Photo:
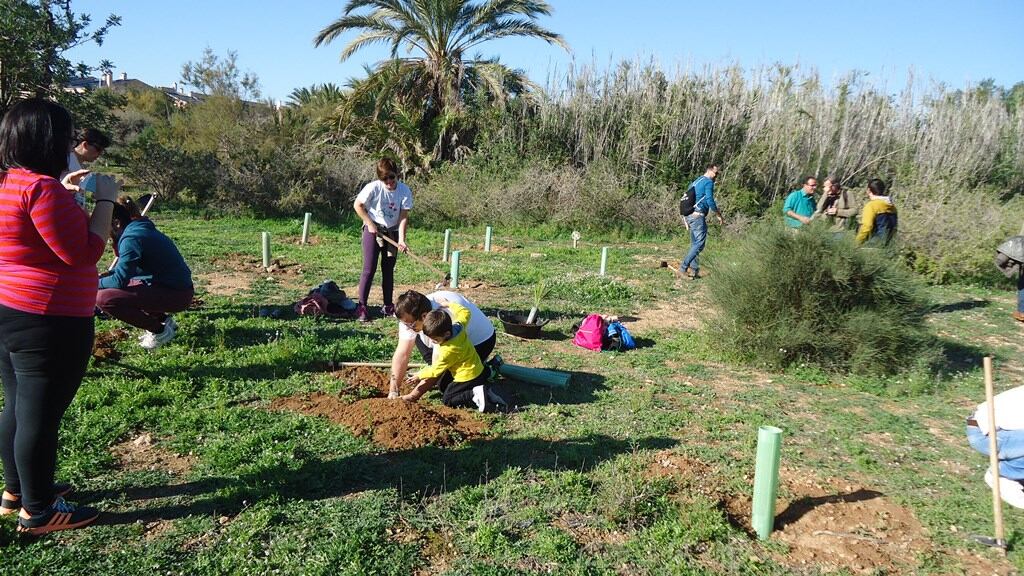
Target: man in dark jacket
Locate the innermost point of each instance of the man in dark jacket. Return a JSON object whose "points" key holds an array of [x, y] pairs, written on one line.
{"points": [[150, 279], [1010, 260]]}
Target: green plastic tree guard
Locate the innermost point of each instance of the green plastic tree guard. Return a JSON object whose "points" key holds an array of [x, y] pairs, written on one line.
{"points": [[305, 228], [604, 260], [447, 244], [266, 250], [487, 239], [766, 480], [455, 269], [537, 376]]}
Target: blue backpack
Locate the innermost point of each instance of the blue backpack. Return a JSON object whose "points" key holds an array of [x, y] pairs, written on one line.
{"points": [[619, 339]]}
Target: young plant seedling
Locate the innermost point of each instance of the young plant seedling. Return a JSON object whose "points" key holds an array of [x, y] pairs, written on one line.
{"points": [[540, 291]]}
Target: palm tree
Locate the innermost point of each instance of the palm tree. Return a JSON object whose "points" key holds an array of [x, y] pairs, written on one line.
{"points": [[439, 75]]}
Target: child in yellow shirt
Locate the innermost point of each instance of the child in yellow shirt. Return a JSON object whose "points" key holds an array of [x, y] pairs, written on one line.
{"points": [[454, 353]]}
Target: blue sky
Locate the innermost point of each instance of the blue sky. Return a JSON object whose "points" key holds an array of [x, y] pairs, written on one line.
{"points": [[954, 42]]}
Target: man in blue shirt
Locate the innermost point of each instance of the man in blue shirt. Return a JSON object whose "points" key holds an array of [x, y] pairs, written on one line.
{"points": [[799, 206], [696, 222]]}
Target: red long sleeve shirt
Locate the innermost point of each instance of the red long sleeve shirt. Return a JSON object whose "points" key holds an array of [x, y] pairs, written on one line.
{"points": [[47, 253]]}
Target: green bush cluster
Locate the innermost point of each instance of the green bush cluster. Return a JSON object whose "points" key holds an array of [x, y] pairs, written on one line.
{"points": [[815, 297]]}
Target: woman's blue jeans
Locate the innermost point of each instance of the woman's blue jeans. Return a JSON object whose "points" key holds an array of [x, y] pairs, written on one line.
{"points": [[1010, 444]]}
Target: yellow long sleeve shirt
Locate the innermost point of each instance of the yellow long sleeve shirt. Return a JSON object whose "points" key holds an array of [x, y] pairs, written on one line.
{"points": [[867, 218], [456, 354]]}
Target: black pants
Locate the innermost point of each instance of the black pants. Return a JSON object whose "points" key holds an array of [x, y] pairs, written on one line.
{"points": [[484, 349], [42, 362], [460, 394]]}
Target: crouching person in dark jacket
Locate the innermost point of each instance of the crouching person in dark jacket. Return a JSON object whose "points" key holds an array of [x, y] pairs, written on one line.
{"points": [[150, 279]]}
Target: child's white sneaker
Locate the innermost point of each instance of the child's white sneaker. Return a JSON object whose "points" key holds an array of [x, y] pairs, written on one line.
{"points": [[480, 398]]}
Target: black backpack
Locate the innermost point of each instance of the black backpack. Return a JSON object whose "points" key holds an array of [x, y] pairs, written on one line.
{"points": [[688, 202]]}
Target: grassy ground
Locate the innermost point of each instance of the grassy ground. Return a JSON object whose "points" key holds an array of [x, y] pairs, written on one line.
{"points": [[643, 466]]}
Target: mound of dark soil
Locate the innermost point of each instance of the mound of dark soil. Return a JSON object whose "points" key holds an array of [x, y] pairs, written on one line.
{"points": [[392, 424], [103, 346]]}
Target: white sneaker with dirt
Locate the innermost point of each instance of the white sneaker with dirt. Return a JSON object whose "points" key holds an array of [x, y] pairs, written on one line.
{"points": [[151, 341], [480, 398], [1011, 491]]}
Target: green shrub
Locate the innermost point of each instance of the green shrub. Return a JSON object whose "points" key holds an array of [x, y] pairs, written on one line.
{"points": [[816, 297], [168, 170]]}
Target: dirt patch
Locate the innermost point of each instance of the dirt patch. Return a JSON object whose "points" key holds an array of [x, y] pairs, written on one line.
{"points": [[827, 524], [392, 424], [225, 283], [587, 532], [313, 240], [245, 263], [367, 381], [143, 453], [835, 525], [103, 347], [660, 317], [494, 248], [235, 273]]}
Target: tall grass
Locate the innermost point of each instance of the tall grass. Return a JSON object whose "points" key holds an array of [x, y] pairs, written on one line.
{"points": [[619, 146]]}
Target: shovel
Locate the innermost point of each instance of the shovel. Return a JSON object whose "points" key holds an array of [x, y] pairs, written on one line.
{"points": [[447, 275], [999, 541]]}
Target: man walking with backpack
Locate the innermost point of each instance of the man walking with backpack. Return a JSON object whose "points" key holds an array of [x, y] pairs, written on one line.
{"points": [[698, 201]]}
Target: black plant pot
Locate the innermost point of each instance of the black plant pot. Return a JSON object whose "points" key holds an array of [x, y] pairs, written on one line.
{"points": [[515, 324]]}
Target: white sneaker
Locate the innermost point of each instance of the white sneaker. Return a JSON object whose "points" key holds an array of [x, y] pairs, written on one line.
{"points": [[1011, 491], [151, 341], [480, 398]]}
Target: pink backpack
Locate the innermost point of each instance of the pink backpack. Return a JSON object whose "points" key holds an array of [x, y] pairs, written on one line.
{"points": [[591, 333]]}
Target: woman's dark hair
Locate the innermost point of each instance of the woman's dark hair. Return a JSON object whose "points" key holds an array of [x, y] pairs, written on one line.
{"points": [[131, 206], [36, 134], [95, 137], [877, 187], [126, 210], [413, 304], [121, 216]]}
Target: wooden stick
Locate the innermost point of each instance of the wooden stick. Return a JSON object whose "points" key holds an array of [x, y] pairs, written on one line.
{"points": [[420, 259], [374, 365], [993, 455]]}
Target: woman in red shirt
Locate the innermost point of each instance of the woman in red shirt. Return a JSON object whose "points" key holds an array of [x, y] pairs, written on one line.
{"points": [[48, 253]]}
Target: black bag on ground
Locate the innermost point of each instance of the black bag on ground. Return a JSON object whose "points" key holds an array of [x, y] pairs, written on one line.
{"points": [[688, 202]]}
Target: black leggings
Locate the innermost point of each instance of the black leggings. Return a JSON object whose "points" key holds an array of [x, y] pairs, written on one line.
{"points": [[388, 255], [460, 394], [42, 362], [484, 349]]}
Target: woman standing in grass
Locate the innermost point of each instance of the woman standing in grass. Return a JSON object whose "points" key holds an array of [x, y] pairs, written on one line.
{"points": [[48, 253], [383, 205]]}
